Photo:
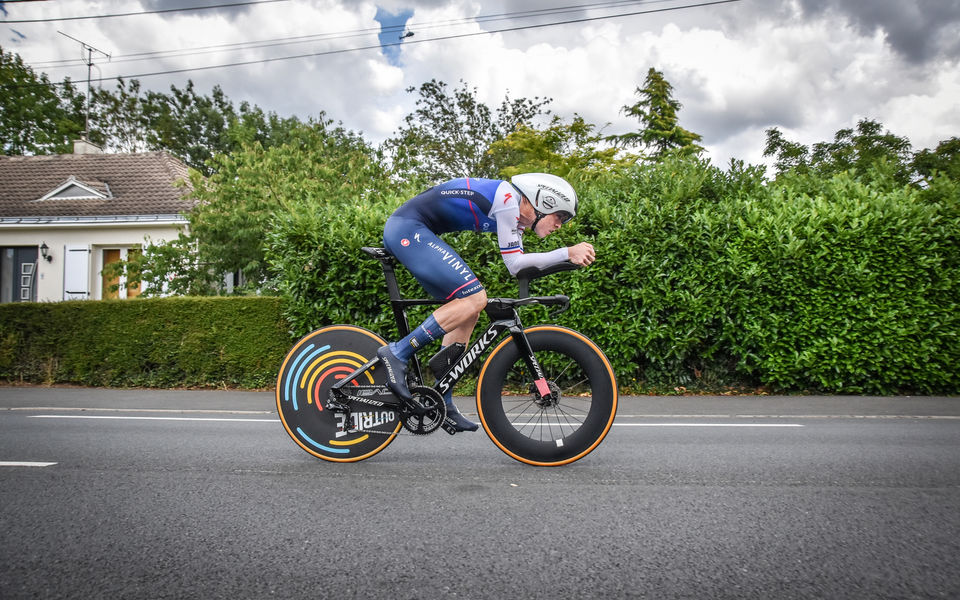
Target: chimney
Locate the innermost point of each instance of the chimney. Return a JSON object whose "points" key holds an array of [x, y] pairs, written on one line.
{"points": [[82, 146]]}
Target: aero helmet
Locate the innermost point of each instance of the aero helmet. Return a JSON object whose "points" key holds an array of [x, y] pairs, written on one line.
{"points": [[548, 194]]}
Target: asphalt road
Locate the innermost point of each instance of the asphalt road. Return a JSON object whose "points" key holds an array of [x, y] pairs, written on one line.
{"points": [[155, 494]]}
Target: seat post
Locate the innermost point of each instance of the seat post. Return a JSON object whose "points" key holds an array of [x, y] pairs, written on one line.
{"points": [[393, 289], [396, 300]]}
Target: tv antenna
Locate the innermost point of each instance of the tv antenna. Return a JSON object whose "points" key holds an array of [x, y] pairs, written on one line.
{"points": [[88, 60]]}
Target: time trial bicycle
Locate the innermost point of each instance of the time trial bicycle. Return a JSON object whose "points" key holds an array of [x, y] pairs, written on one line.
{"points": [[546, 395]]}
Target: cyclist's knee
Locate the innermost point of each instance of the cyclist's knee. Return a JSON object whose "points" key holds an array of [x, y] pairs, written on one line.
{"points": [[477, 301]]}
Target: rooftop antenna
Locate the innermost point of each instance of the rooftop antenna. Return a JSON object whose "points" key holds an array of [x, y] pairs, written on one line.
{"points": [[88, 60]]}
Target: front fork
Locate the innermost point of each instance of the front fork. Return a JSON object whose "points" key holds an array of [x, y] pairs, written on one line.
{"points": [[543, 394]]}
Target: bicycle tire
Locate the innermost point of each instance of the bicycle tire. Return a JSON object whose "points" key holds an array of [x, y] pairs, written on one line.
{"points": [[548, 435], [312, 366]]}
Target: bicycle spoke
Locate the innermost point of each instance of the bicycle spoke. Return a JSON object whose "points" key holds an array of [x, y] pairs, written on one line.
{"points": [[559, 375], [568, 390], [568, 417]]}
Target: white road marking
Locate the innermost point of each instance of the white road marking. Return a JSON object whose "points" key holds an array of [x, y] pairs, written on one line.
{"points": [[16, 463], [565, 424], [222, 419], [707, 425], [153, 418], [184, 411]]}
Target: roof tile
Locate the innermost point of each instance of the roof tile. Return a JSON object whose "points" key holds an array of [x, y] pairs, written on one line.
{"points": [[138, 184]]}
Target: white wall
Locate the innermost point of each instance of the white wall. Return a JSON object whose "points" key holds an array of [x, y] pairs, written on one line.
{"points": [[50, 275]]}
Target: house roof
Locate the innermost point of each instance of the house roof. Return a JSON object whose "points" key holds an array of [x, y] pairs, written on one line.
{"points": [[93, 185]]}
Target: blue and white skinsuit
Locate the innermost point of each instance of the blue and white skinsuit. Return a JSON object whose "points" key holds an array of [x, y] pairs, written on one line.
{"points": [[468, 204]]}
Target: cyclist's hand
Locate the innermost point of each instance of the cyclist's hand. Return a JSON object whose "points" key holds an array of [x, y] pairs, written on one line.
{"points": [[582, 254]]}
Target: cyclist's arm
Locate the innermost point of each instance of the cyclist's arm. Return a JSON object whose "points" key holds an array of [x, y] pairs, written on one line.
{"points": [[517, 262]]}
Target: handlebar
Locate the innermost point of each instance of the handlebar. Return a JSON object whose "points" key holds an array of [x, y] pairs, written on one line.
{"points": [[525, 276]]}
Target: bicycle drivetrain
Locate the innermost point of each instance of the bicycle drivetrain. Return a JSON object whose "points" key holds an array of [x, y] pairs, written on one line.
{"points": [[423, 414]]}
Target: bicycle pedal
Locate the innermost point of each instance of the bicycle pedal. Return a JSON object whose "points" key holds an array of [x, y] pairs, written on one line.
{"points": [[448, 427]]}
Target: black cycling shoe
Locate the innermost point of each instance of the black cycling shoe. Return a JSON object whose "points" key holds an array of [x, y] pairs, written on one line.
{"points": [[458, 421], [396, 373]]}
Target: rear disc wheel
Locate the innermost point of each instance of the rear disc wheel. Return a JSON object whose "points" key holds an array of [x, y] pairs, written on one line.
{"points": [[310, 369]]}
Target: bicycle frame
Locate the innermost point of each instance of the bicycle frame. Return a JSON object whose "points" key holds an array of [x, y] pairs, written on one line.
{"points": [[503, 315]]}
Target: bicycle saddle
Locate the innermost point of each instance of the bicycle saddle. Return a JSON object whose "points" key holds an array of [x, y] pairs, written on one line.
{"points": [[381, 254]]}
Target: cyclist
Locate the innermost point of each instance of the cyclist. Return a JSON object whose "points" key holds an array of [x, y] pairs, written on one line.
{"points": [[530, 201]]}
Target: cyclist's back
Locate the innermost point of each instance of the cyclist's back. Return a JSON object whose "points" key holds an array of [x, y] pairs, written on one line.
{"points": [[458, 205]]}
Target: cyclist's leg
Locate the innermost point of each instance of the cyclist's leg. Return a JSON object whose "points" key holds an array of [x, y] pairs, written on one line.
{"points": [[459, 317], [445, 276]]}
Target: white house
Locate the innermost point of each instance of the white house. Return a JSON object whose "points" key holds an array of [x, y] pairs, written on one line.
{"points": [[63, 217]]}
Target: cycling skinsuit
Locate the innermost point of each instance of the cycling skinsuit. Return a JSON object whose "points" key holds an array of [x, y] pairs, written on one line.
{"points": [[482, 205]]}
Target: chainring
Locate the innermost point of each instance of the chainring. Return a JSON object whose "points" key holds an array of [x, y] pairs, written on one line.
{"points": [[425, 413]]}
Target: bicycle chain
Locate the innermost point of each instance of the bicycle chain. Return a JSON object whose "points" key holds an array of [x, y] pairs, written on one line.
{"points": [[336, 406]]}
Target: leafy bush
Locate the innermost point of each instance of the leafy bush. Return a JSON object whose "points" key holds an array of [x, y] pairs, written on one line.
{"points": [[656, 299], [145, 342], [703, 277], [855, 290]]}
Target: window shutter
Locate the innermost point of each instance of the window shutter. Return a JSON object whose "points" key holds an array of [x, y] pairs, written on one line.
{"points": [[76, 273]]}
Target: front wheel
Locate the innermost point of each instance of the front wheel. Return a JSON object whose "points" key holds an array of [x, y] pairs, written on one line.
{"points": [[548, 429]]}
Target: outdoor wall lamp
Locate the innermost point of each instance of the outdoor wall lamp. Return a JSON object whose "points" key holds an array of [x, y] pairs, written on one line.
{"points": [[43, 252]]}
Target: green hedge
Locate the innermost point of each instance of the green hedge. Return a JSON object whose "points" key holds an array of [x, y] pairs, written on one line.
{"points": [[162, 342], [704, 278], [846, 285], [855, 290]]}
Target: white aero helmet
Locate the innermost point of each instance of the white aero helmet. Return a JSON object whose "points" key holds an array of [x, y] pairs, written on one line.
{"points": [[548, 194]]}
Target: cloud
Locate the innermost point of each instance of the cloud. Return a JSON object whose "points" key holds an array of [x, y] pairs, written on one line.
{"points": [[918, 31], [809, 67]]}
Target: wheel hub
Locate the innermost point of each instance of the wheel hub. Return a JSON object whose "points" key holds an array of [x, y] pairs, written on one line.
{"points": [[548, 401]]}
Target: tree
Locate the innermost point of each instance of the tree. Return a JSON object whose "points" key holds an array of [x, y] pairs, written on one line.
{"points": [[252, 125], [246, 191], [862, 148], [945, 160], [788, 155], [189, 125], [36, 117], [560, 149], [858, 149], [660, 131], [117, 121], [448, 135], [193, 127]]}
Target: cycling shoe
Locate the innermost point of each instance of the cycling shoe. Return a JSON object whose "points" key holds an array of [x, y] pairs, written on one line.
{"points": [[396, 373], [459, 422]]}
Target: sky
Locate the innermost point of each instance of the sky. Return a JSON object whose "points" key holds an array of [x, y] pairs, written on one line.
{"points": [[738, 68]]}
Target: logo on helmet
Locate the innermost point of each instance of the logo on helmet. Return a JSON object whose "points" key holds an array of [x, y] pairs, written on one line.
{"points": [[548, 202], [547, 188]]}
